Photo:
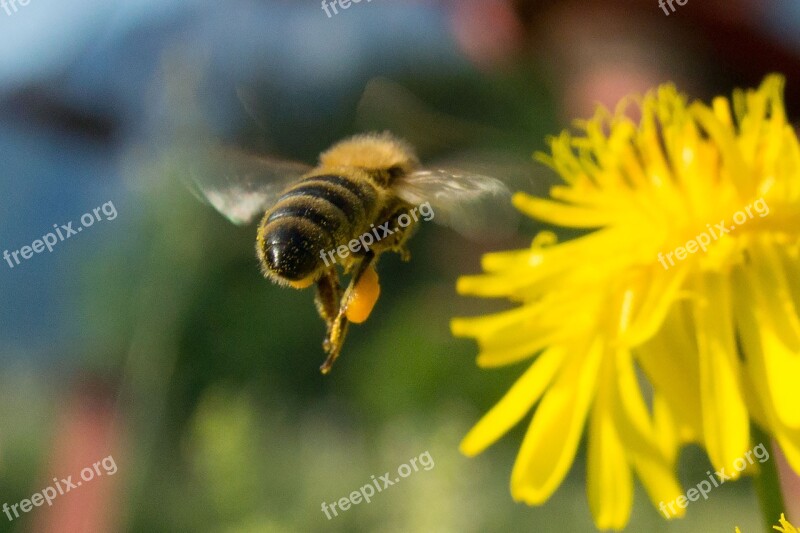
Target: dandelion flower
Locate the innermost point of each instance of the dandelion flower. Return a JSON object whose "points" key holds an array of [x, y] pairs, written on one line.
{"points": [[643, 332], [784, 527]]}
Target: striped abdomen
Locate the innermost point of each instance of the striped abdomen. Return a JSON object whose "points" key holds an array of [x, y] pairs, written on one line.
{"points": [[315, 215]]}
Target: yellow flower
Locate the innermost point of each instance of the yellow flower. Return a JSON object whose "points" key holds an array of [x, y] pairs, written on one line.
{"points": [[785, 526], [632, 309]]}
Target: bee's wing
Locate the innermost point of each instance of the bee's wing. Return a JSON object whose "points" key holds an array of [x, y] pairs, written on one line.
{"points": [[239, 185], [474, 205], [386, 105]]}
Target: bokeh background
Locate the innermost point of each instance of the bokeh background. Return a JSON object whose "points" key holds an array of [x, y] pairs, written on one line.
{"points": [[154, 339]]}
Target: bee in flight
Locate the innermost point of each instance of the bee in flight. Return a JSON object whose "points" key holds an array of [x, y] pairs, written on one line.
{"points": [[365, 197]]}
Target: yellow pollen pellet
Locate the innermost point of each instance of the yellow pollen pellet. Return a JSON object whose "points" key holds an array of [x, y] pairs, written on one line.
{"points": [[364, 297]]}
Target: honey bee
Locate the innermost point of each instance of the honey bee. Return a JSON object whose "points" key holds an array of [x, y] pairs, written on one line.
{"points": [[365, 197]]}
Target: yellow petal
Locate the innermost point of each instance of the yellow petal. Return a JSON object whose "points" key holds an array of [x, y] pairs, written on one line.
{"points": [[609, 482], [667, 359], [660, 296], [629, 410], [549, 446], [660, 483], [726, 425], [771, 291], [565, 215], [665, 427], [782, 376], [515, 404]]}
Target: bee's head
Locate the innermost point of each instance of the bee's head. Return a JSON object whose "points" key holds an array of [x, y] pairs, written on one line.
{"points": [[371, 151]]}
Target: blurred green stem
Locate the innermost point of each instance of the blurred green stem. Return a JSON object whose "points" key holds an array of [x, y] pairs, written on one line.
{"points": [[767, 484]]}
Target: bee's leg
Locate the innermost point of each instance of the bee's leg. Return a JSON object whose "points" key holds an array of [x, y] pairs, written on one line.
{"points": [[397, 242], [402, 248], [338, 331], [329, 293]]}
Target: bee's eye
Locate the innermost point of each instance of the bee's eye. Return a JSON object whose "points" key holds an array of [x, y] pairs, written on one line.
{"points": [[395, 172]]}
